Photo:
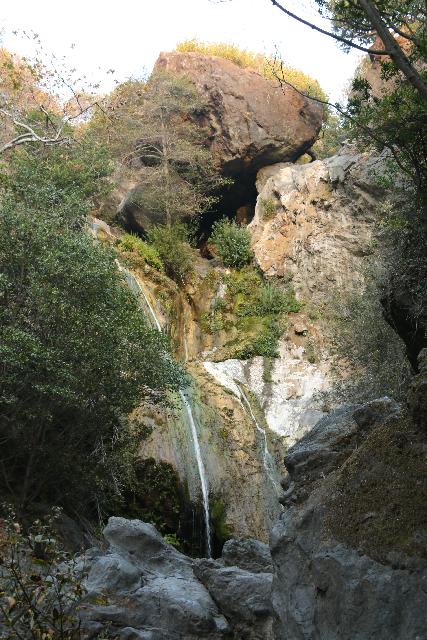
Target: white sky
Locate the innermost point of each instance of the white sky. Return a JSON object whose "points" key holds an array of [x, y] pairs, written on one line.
{"points": [[128, 35]]}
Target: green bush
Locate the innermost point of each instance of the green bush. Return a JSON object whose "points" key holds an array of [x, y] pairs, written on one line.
{"points": [[41, 586], [264, 344], [233, 243], [171, 245], [147, 252]]}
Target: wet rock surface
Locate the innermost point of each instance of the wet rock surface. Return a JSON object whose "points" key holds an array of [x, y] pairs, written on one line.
{"points": [[142, 587]]}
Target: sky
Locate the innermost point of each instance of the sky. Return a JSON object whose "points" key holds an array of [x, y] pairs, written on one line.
{"points": [[127, 35]]}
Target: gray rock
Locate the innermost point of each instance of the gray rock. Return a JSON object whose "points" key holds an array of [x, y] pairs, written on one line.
{"points": [[324, 589], [243, 597], [333, 438], [251, 555], [150, 591]]}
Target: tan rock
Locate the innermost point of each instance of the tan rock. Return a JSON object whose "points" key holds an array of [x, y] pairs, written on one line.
{"points": [[323, 226]]}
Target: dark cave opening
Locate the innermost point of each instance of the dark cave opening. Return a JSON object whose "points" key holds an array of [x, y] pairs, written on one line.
{"points": [[236, 202]]}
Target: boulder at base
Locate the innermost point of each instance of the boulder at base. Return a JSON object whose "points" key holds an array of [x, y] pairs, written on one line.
{"points": [[142, 587]]}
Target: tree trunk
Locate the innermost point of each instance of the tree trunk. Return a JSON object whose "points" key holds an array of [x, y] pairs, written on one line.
{"points": [[394, 50]]}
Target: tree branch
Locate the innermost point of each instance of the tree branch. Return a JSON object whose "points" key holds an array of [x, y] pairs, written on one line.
{"points": [[394, 50], [349, 43]]}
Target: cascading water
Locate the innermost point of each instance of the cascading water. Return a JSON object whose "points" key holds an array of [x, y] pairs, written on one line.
{"points": [[136, 287], [138, 290], [202, 473], [267, 458]]}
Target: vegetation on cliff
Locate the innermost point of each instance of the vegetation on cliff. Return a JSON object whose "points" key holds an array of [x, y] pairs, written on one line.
{"points": [[268, 66], [76, 351]]}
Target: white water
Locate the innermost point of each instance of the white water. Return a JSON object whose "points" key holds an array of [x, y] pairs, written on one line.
{"points": [[267, 458], [202, 473]]}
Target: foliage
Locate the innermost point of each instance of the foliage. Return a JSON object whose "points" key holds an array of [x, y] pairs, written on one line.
{"points": [[76, 351], [264, 344], [134, 244], [148, 124], [40, 584], [267, 66], [269, 208], [62, 182], [41, 100], [171, 244], [370, 359], [232, 243], [254, 309], [331, 136], [220, 528]]}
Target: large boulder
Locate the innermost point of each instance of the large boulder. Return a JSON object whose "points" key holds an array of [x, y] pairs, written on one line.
{"points": [[314, 222], [349, 552], [254, 122], [141, 587]]}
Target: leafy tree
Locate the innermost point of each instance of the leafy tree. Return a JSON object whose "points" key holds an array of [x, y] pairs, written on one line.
{"points": [[40, 103], [171, 243], [76, 352]]}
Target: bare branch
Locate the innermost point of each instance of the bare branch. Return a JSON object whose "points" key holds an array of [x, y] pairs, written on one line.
{"points": [[349, 43]]}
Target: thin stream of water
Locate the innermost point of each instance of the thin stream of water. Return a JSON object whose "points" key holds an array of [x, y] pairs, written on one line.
{"points": [[267, 458]]}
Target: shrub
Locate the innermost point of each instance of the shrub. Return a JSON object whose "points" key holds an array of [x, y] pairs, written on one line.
{"points": [[264, 344], [147, 252], [40, 584], [171, 245], [233, 243], [269, 208], [268, 66]]}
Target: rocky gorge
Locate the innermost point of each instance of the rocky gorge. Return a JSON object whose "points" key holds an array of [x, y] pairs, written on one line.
{"points": [[345, 515], [215, 375]]}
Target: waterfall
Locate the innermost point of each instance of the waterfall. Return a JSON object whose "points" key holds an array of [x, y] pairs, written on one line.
{"points": [[138, 290], [202, 473], [267, 458]]}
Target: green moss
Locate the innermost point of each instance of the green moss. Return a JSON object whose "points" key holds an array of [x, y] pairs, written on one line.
{"points": [[267, 370], [379, 497]]}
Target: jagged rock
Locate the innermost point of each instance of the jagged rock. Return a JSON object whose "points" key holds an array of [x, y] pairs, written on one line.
{"points": [[333, 438], [323, 226], [253, 121], [324, 587], [149, 586], [142, 588]]}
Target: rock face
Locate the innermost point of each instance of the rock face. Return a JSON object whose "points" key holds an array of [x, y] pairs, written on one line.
{"points": [[151, 591], [253, 122], [232, 452], [346, 563], [321, 225]]}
